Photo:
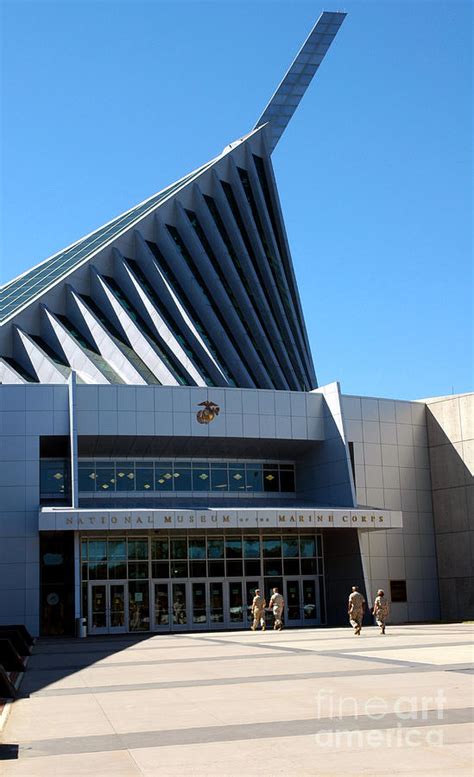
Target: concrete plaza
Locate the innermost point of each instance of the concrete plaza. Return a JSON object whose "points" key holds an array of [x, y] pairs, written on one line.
{"points": [[296, 703]]}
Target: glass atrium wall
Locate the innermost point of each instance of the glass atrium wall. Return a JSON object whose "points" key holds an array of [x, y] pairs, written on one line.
{"points": [[167, 581]]}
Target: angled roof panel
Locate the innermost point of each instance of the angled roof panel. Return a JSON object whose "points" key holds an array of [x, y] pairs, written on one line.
{"points": [[209, 298], [15, 294]]}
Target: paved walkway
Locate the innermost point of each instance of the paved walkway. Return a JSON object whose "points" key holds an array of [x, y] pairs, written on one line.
{"points": [[297, 703]]}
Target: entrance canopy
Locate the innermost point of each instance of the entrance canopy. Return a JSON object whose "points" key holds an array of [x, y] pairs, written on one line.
{"points": [[73, 519]]}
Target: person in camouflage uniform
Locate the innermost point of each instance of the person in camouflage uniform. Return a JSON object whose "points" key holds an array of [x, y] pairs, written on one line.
{"points": [[356, 609], [277, 604], [381, 610], [258, 611]]}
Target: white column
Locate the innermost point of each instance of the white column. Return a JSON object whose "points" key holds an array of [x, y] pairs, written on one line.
{"points": [[73, 439], [74, 490], [77, 576]]}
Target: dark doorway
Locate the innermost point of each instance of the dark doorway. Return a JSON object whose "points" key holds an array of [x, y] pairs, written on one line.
{"points": [[57, 583]]}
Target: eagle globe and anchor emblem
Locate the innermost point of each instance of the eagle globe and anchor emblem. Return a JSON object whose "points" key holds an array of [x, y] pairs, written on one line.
{"points": [[209, 412]]}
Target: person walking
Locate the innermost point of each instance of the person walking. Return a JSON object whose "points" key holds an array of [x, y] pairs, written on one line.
{"points": [[277, 604], [258, 611], [356, 609], [381, 610]]}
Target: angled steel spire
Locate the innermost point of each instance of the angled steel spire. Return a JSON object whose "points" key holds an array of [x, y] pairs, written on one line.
{"points": [[287, 97]]}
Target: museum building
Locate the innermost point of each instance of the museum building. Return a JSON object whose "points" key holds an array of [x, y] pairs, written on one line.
{"points": [[165, 448]]}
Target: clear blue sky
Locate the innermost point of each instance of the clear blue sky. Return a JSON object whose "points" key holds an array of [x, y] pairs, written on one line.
{"points": [[105, 103]]}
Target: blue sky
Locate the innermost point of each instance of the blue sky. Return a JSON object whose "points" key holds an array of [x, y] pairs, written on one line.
{"points": [[105, 103]]}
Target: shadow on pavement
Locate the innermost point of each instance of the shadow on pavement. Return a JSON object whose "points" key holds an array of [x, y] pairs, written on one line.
{"points": [[55, 658]]}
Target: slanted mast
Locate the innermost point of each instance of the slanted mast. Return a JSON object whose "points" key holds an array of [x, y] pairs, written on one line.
{"points": [[287, 97]]}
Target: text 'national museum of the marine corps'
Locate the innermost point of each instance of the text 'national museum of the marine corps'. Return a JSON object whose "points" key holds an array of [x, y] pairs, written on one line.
{"points": [[165, 448]]}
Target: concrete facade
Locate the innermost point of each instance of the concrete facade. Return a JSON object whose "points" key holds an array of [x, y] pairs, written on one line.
{"points": [[391, 463], [391, 444], [450, 424]]}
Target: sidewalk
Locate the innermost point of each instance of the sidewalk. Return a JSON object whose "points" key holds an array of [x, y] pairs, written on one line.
{"points": [[295, 703]]}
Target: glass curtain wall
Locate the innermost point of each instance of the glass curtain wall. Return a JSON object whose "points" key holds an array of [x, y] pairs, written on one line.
{"points": [[293, 562], [154, 476]]}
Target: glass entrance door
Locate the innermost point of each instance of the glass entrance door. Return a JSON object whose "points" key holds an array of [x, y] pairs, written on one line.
{"points": [[302, 602], [216, 605], [250, 588], [311, 605], [188, 605], [138, 602], [179, 606], [235, 607], [97, 620], [199, 609], [292, 614], [270, 584], [117, 608], [161, 607], [107, 608]]}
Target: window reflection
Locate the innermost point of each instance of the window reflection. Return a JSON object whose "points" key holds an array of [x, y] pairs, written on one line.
{"points": [[179, 548], [233, 547], [126, 476], [164, 476], [179, 569], [201, 477], [219, 478], [272, 547], [215, 548], [272, 567], [105, 479], [144, 480], [290, 546], [137, 549], [197, 548], [252, 547], [308, 566], [54, 477], [160, 549], [308, 546], [137, 570], [117, 570], [237, 477], [254, 480], [116, 550], [182, 476], [86, 476], [270, 479], [97, 550], [97, 571]]}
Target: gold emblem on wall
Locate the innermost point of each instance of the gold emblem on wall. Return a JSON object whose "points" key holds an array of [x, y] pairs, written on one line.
{"points": [[210, 411]]}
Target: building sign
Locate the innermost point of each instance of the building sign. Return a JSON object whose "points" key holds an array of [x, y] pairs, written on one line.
{"points": [[64, 519]]}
